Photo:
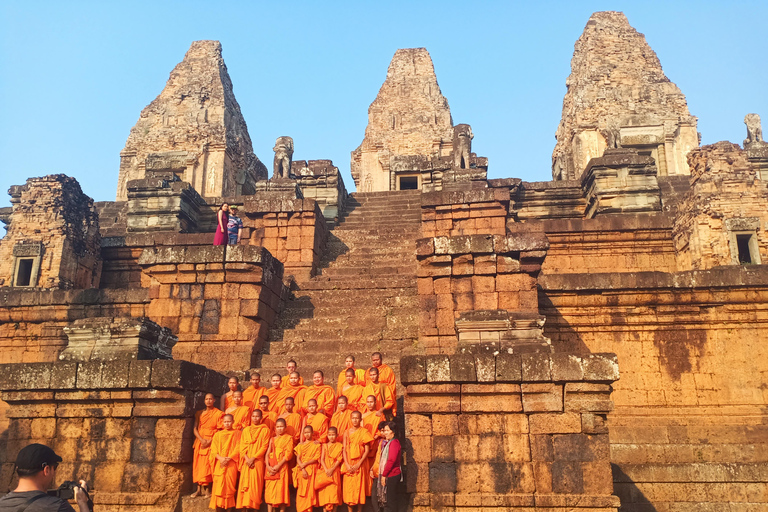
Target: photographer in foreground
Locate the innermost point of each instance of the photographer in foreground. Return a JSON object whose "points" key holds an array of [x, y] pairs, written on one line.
{"points": [[36, 466]]}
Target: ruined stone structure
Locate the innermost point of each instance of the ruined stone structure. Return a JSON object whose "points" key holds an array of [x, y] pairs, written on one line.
{"points": [[591, 343]]}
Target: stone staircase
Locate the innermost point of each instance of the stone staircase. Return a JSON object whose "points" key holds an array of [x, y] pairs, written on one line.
{"points": [[364, 298]]}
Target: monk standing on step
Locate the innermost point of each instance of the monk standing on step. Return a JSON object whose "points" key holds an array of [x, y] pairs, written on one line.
{"points": [[240, 413], [274, 393], [331, 459], [226, 399], [207, 423], [307, 461], [253, 393], [293, 390], [322, 393], [356, 483], [291, 367], [386, 376], [384, 399], [317, 420], [292, 420], [280, 451], [254, 442], [225, 456], [268, 417], [359, 374], [341, 419], [353, 392]]}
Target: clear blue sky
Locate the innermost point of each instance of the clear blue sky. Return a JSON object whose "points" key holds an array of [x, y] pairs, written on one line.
{"points": [[74, 76]]}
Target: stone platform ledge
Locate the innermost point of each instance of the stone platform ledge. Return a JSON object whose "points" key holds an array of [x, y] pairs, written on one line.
{"points": [[208, 254], [107, 375], [485, 195], [488, 501], [613, 222], [532, 244], [15, 297], [718, 277], [509, 368]]}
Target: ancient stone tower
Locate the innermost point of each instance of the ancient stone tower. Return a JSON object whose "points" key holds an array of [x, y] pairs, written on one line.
{"points": [[619, 96], [194, 130]]}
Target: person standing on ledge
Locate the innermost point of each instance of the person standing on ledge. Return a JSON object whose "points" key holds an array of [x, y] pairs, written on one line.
{"points": [[234, 226], [222, 218], [226, 399], [36, 466], [386, 376], [207, 423]]}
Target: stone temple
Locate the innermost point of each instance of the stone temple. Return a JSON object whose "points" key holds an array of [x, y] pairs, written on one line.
{"points": [[592, 343]]}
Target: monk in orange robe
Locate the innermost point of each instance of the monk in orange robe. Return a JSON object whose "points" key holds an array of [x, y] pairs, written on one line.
{"points": [[253, 393], [291, 367], [341, 419], [385, 401], [386, 376], [226, 399], [372, 417], [292, 420], [331, 458], [207, 423], [356, 481], [279, 453], [225, 454], [293, 390], [318, 421], [254, 442], [307, 459], [241, 413], [274, 393], [268, 417], [353, 392], [349, 364], [320, 391]]}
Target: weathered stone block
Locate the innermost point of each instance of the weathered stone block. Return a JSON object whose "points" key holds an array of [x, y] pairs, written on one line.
{"points": [[491, 398], [542, 397], [438, 368], [536, 367], [555, 423], [418, 425], [508, 368], [601, 367], [413, 370], [63, 375], [433, 398], [443, 448], [445, 424], [566, 367], [462, 368], [442, 477]]}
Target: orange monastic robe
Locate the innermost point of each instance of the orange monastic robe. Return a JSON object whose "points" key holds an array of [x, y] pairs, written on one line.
{"points": [[355, 397], [292, 425], [359, 379], [387, 376], [371, 423], [226, 443], [376, 460], [287, 381], [331, 494], [251, 396], [326, 399], [274, 395], [268, 419], [306, 497], [342, 420], [208, 422], [241, 416], [295, 392], [319, 424], [356, 485], [276, 491], [228, 400], [254, 442], [382, 393]]}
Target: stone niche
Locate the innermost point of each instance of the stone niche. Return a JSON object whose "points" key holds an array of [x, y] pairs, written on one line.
{"points": [[109, 338], [53, 238]]}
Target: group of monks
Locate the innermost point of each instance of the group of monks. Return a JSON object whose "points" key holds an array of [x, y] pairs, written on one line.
{"points": [[261, 441]]}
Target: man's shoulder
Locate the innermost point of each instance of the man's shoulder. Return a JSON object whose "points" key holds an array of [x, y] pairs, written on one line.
{"points": [[13, 500]]}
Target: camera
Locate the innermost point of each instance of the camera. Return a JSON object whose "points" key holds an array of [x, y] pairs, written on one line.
{"points": [[66, 491]]}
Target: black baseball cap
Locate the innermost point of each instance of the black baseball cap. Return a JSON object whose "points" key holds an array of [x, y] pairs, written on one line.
{"points": [[36, 456]]}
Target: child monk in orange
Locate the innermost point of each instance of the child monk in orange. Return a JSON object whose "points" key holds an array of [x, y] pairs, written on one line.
{"points": [[353, 391], [279, 453], [359, 374], [371, 420], [331, 458], [225, 455], [317, 420], [341, 418], [292, 420], [253, 393], [240, 413], [268, 417], [307, 458], [226, 399], [254, 442], [273, 393], [207, 423], [356, 481]]}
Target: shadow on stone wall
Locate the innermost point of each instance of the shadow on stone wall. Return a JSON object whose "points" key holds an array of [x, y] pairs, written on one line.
{"points": [[632, 498]]}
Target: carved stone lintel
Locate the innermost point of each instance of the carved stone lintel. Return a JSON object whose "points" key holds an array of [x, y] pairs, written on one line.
{"points": [[108, 339]]}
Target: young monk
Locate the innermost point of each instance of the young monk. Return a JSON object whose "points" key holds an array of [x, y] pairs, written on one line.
{"points": [[268, 417], [307, 458], [241, 413], [331, 458], [254, 442], [320, 391], [292, 421], [371, 417], [280, 451], [385, 401], [274, 393], [226, 399], [207, 423], [353, 392], [253, 393], [291, 367], [356, 482], [225, 455], [341, 418], [294, 390], [359, 373], [317, 420], [386, 376]]}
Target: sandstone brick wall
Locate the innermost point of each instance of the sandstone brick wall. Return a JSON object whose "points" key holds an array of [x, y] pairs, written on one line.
{"points": [[124, 426], [509, 432], [467, 212], [689, 430]]}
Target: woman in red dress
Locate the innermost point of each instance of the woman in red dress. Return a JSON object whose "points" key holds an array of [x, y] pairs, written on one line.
{"points": [[221, 227]]}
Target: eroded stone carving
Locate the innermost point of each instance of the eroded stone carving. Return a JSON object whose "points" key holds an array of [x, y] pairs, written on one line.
{"points": [[283, 156], [754, 129], [462, 146]]}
